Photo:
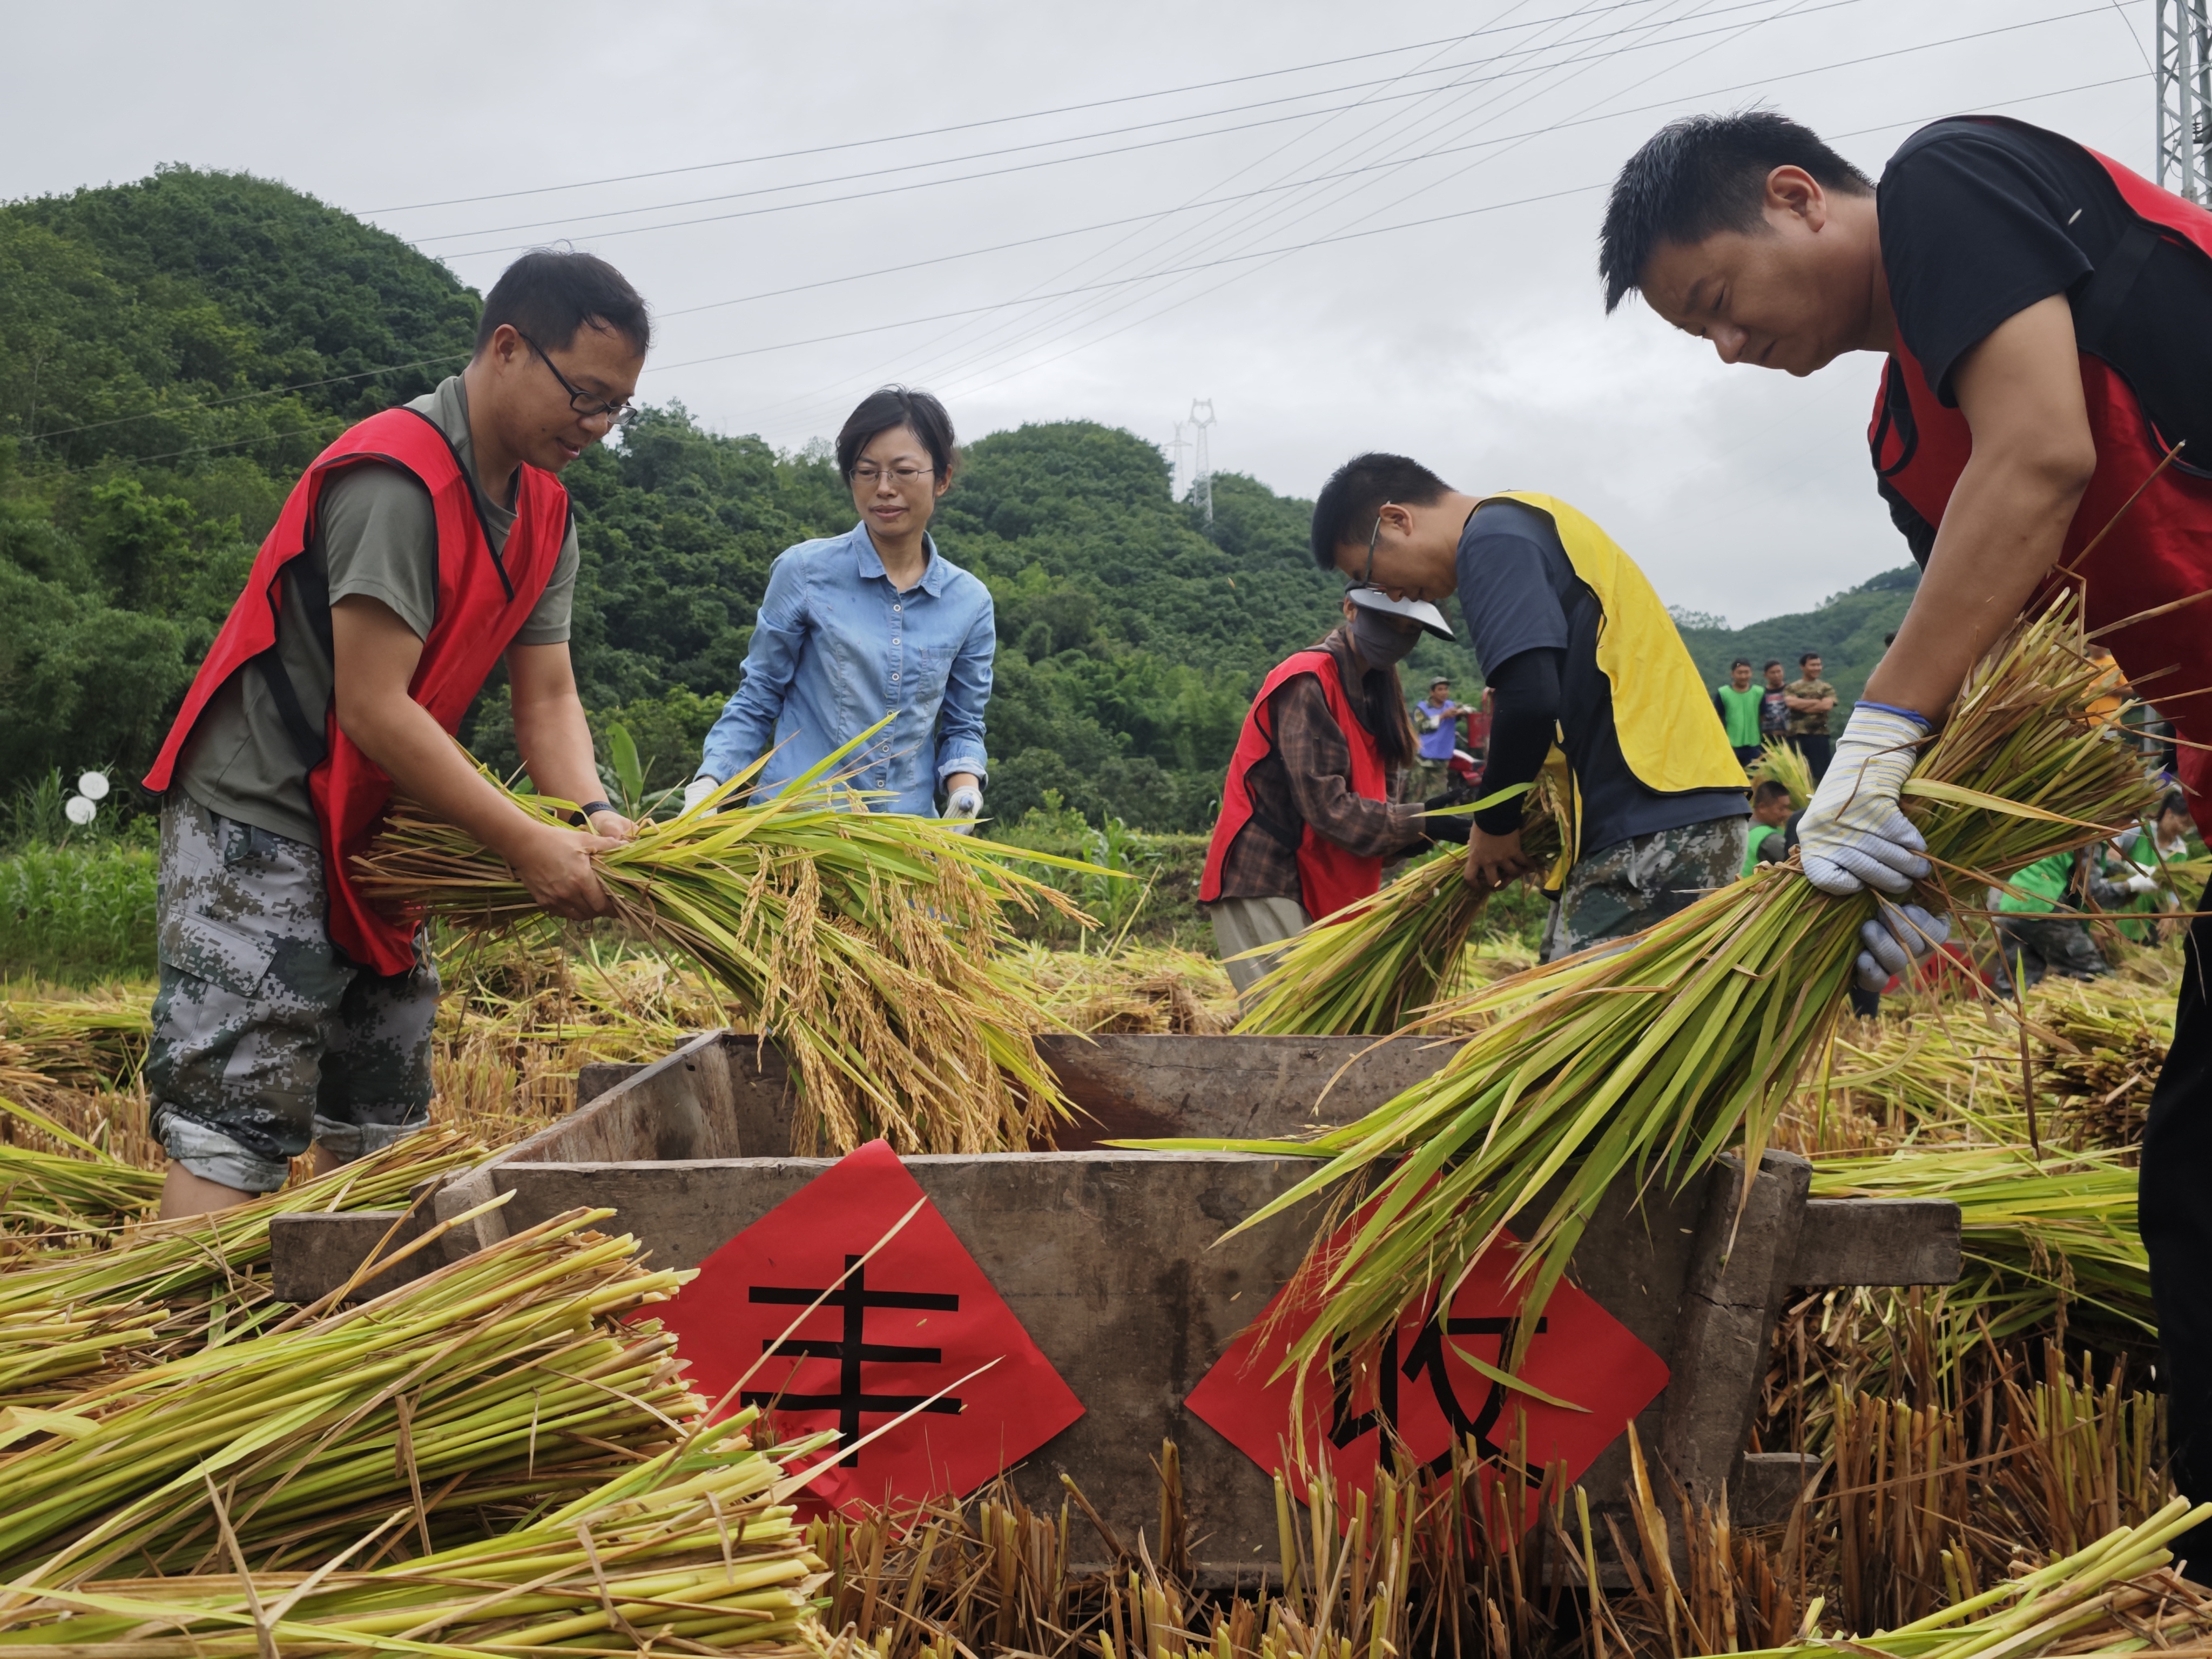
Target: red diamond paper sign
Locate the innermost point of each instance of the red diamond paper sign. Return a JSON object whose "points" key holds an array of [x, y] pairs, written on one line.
{"points": [[911, 1320], [1420, 1385]]}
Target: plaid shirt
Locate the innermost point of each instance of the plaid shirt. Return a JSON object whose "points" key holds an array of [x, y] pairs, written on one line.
{"points": [[1306, 778]]}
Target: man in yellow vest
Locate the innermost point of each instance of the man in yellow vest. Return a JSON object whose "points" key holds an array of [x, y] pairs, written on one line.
{"points": [[1579, 653]]}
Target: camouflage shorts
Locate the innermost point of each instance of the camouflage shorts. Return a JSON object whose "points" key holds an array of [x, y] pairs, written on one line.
{"points": [[1623, 889], [264, 1038], [2041, 944]]}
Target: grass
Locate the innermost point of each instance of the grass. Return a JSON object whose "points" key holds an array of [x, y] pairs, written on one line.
{"points": [[77, 914]]}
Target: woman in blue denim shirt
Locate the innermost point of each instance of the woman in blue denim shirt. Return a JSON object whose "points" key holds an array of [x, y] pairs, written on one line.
{"points": [[871, 622]]}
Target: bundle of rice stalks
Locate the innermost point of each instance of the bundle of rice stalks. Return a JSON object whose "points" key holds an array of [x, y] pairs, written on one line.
{"points": [[1137, 988], [1782, 762], [174, 1285], [76, 1039], [2098, 1050], [47, 1197], [691, 1550], [523, 1013], [2045, 1240], [2111, 1597], [862, 941], [506, 1380], [1646, 1061], [1370, 967]]}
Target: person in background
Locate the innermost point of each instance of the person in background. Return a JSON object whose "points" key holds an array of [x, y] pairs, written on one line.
{"points": [[2114, 693], [1771, 810], [1773, 706], [1309, 814], [1810, 699], [428, 546], [1436, 719], [1738, 704], [871, 622], [1479, 719], [2124, 871], [2037, 932], [1579, 652]]}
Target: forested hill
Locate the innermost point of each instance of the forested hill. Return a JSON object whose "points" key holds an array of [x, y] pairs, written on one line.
{"points": [[172, 351], [1846, 629]]}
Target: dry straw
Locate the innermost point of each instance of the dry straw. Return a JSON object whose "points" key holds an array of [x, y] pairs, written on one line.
{"points": [[862, 941], [1644, 1059], [500, 1382], [1369, 969], [691, 1551]]}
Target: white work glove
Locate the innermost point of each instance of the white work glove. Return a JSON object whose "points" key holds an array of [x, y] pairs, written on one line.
{"points": [[1855, 835], [1899, 937], [961, 807], [2143, 883], [698, 789]]}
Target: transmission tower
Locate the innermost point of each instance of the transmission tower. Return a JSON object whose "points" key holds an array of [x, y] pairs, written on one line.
{"points": [[1178, 474], [1201, 486], [2184, 96]]}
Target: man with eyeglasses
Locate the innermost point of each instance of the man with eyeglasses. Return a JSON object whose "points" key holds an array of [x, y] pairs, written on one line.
{"points": [[426, 545], [1580, 657]]}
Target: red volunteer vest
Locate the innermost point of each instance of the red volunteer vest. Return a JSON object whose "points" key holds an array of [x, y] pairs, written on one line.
{"points": [[484, 599], [2161, 552], [1329, 878]]}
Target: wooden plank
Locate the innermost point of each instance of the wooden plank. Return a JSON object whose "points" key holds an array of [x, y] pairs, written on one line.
{"points": [[312, 1252], [1878, 1241], [1141, 1087]]}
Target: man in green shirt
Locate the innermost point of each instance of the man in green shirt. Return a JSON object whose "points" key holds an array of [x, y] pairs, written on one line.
{"points": [[1810, 699], [2034, 937], [1771, 807], [269, 1039], [1737, 704]]}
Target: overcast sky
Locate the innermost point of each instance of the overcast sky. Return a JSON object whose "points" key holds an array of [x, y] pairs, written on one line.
{"points": [[811, 147]]}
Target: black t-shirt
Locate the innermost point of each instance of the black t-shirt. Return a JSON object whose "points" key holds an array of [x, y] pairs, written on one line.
{"points": [[1981, 218], [1518, 592]]}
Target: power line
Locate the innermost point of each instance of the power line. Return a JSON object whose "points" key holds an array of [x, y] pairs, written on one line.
{"points": [[1578, 189], [936, 372], [1197, 203], [997, 120], [1035, 145], [995, 173], [246, 397]]}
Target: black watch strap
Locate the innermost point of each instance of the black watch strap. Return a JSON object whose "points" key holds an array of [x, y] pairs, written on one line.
{"points": [[582, 815]]}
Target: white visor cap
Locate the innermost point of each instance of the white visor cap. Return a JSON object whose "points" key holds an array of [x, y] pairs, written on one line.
{"points": [[1420, 611]]}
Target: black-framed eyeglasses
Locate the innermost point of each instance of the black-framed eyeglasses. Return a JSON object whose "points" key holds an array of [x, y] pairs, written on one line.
{"points": [[585, 404], [1373, 535]]}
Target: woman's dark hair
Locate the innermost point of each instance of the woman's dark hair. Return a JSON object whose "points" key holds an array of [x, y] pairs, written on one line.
{"points": [[1703, 175], [887, 409], [548, 294]]}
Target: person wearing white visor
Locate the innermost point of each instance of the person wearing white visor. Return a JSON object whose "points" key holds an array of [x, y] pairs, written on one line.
{"points": [[1308, 816]]}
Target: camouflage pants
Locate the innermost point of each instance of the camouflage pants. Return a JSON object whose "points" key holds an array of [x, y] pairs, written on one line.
{"points": [[264, 1038], [1623, 889], [2045, 944]]}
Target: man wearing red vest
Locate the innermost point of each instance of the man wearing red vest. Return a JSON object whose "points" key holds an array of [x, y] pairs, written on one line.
{"points": [[422, 548], [1307, 816], [2046, 315]]}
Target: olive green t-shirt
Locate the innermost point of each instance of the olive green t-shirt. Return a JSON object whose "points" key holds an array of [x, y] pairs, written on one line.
{"points": [[375, 534], [1804, 725]]}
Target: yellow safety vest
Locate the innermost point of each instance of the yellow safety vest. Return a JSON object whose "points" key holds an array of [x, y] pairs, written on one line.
{"points": [[1669, 735]]}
